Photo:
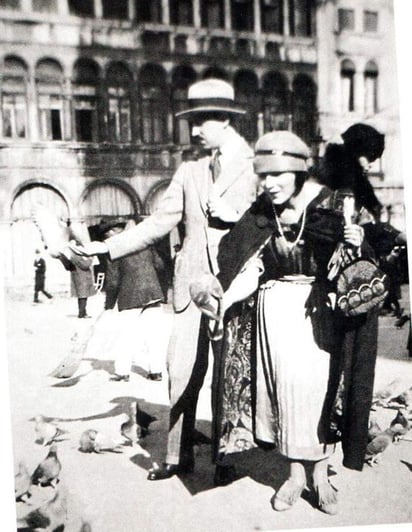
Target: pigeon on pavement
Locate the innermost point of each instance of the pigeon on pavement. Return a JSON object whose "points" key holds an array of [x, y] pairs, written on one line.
{"points": [[130, 429], [95, 441], [378, 445], [46, 432], [399, 425], [22, 482], [404, 398], [47, 472], [51, 516], [143, 421], [374, 429], [383, 396]]}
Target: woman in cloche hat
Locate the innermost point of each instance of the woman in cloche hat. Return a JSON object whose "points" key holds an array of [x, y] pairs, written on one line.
{"points": [[278, 378]]}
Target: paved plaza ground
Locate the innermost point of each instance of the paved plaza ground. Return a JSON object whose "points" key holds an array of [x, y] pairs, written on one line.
{"points": [[110, 491]]}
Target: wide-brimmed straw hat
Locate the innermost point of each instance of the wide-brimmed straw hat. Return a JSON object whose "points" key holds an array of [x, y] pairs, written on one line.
{"points": [[211, 95], [280, 151]]}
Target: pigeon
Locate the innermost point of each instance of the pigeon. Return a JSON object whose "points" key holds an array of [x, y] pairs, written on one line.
{"points": [[47, 472], [378, 445], [373, 429], [400, 425], [404, 399], [87, 441], [46, 432], [143, 421], [95, 441], [130, 429], [383, 396], [22, 482], [52, 515]]}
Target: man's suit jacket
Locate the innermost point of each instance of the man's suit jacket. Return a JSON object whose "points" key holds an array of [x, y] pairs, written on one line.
{"points": [[186, 200]]}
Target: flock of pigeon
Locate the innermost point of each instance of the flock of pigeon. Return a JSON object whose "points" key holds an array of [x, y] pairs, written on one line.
{"points": [[53, 515], [380, 440]]}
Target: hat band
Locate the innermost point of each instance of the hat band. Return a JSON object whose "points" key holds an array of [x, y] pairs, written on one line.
{"points": [[281, 153], [219, 102]]}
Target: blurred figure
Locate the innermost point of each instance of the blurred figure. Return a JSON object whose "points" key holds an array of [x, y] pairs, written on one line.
{"points": [[39, 277], [390, 264], [133, 282], [82, 283]]}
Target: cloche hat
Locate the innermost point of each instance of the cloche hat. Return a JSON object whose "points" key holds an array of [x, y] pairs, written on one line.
{"points": [[211, 95], [280, 151]]}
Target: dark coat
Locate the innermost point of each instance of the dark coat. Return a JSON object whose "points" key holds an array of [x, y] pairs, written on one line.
{"points": [[133, 280], [356, 338], [39, 273], [82, 279]]}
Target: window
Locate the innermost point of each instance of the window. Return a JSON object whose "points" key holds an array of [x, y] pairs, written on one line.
{"points": [[246, 94], [10, 4], [13, 99], [118, 9], [45, 6], [371, 88], [242, 15], [81, 8], [119, 81], [346, 19], [348, 85], [155, 105], [300, 18], [212, 14], [370, 21], [49, 82], [272, 16], [181, 12], [304, 107], [85, 81], [148, 11], [276, 105], [181, 79]]}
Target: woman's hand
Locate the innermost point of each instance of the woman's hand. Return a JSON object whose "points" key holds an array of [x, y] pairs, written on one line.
{"points": [[353, 235]]}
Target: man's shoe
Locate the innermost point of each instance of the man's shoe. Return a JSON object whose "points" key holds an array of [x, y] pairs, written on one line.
{"points": [[224, 475], [154, 376], [119, 378], [169, 470]]}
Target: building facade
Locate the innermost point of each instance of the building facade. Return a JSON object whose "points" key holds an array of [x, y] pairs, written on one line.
{"points": [[89, 89]]}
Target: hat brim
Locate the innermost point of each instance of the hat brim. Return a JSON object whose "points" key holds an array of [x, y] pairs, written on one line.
{"points": [[275, 163], [210, 109]]}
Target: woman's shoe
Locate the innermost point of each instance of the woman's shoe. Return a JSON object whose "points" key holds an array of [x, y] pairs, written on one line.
{"points": [[327, 498], [287, 495]]}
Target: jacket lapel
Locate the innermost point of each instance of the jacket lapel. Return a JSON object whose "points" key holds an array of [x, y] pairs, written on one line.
{"points": [[202, 181], [234, 168]]}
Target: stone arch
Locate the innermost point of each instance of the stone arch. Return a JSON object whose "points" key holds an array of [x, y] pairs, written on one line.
{"points": [[108, 197], [154, 196]]}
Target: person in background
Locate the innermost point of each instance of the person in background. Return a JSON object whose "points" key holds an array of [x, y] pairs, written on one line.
{"points": [[208, 195], [82, 283], [133, 283], [39, 277]]}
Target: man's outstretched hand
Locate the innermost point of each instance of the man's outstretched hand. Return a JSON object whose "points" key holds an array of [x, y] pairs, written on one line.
{"points": [[90, 249]]}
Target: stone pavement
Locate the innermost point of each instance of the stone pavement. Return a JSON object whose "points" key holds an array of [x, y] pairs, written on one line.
{"points": [[110, 490]]}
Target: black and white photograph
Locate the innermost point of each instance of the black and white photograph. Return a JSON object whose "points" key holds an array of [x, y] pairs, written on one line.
{"points": [[205, 299]]}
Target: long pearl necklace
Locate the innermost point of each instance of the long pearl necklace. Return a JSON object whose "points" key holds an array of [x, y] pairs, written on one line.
{"points": [[290, 245]]}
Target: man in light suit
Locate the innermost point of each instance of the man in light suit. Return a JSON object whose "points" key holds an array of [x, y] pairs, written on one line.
{"points": [[208, 195]]}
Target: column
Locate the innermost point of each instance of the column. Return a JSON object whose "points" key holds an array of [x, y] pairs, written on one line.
{"points": [[98, 8], [165, 12], [32, 108], [196, 14], [26, 6], [256, 14], [286, 28], [132, 10], [227, 14]]}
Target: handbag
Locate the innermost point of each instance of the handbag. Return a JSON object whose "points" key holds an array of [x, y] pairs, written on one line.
{"points": [[360, 287]]}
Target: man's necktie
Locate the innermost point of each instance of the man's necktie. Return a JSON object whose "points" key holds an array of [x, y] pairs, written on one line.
{"points": [[215, 166]]}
